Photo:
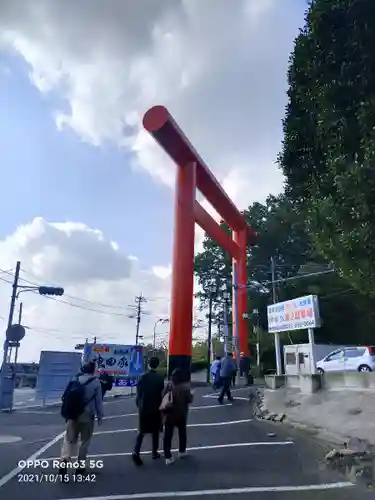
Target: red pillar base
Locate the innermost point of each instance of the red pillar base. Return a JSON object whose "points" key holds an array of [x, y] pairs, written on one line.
{"points": [[183, 362]]}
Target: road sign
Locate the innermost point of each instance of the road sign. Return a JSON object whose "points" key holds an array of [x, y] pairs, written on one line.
{"points": [[116, 360], [126, 382], [15, 333]]}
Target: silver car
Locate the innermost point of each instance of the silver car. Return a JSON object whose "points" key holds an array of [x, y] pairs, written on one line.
{"points": [[355, 359]]}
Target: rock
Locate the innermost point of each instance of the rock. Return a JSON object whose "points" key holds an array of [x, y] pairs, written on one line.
{"points": [[280, 417], [355, 411], [357, 444], [331, 455], [291, 404], [269, 416]]}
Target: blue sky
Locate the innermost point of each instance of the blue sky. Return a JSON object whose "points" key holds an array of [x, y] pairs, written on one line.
{"points": [[53, 174]]}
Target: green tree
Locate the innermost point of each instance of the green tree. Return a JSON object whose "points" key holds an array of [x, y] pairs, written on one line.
{"points": [[347, 315], [329, 134]]}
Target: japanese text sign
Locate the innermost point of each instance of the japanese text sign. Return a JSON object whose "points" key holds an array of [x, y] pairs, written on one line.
{"points": [[297, 314], [116, 360]]}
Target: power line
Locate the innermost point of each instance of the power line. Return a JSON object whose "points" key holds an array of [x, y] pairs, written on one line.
{"points": [[95, 303]]}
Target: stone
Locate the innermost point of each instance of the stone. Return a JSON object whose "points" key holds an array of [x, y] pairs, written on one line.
{"points": [[269, 416], [331, 455], [355, 411], [280, 417], [356, 444]]}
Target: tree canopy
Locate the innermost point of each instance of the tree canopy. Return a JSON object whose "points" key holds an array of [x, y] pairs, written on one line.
{"points": [[328, 154]]}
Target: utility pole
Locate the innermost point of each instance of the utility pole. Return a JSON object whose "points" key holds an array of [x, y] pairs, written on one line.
{"points": [[277, 334], [209, 339], [10, 317], [20, 323], [226, 296], [137, 315]]}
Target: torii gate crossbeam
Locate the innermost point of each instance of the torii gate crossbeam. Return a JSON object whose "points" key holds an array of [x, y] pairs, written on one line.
{"points": [[192, 174]]}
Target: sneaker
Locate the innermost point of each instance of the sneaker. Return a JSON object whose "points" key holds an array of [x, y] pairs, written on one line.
{"points": [[169, 461], [156, 456], [137, 459], [182, 454]]}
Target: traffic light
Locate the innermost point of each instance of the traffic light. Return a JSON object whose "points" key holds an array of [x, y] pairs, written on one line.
{"points": [[51, 290]]}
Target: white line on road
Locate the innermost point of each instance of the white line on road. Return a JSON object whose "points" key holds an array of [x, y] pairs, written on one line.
{"points": [[110, 417], [210, 424], [229, 491], [13, 473], [195, 448]]}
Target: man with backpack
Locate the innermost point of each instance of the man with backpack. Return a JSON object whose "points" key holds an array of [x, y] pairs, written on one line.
{"points": [[81, 402]]}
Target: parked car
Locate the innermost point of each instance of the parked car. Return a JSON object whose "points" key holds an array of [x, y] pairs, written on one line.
{"points": [[355, 359]]}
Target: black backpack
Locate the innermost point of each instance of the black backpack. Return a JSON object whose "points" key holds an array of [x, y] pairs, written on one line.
{"points": [[73, 400]]}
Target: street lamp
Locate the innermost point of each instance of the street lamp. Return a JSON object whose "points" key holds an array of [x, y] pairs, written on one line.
{"points": [[163, 321]]}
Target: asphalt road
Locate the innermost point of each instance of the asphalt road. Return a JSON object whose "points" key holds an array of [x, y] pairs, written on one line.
{"points": [[230, 457]]}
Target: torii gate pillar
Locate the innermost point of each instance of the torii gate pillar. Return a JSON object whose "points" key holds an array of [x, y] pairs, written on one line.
{"points": [[192, 174]]}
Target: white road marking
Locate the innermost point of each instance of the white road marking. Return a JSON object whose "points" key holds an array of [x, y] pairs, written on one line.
{"points": [[110, 417], [30, 412], [13, 473], [195, 448], [210, 424], [229, 491]]}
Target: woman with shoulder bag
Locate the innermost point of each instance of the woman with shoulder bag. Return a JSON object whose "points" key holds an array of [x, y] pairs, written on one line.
{"points": [[174, 409]]}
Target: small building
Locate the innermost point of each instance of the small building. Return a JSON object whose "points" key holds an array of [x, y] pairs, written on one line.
{"points": [[298, 357]]}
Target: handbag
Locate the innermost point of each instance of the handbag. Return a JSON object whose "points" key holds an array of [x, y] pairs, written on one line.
{"points": [[167, 401]]}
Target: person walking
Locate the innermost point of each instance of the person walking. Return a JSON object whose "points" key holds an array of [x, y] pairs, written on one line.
{"points": [[81, 402], [215, 372], [175, 407], [228, 366], [148, 400]]}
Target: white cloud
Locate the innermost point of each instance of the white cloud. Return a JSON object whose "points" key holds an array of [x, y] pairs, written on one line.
{"points": [[100, 281], [219, 67]]}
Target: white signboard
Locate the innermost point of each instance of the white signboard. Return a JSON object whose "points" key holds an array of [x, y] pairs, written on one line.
{"points": [[297, 314]]}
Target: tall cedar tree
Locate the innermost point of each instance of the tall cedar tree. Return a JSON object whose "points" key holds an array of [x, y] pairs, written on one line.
{"points": [[328, 154]]}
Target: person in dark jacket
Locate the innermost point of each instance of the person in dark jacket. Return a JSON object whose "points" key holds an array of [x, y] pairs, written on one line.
{"points": [[175, 407], [107, 383], [149, 397]]}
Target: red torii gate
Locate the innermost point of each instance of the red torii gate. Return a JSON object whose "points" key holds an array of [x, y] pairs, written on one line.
{"points": [[193, 173]]}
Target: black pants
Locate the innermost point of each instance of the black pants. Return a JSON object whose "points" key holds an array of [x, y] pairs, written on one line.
{"points": [[168, 436], [225, 389], [234, 375], [139, 441]]}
